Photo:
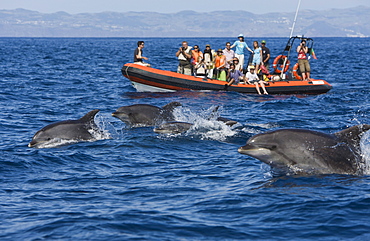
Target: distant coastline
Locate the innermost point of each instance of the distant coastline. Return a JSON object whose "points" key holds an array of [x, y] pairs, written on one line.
{"points": [[330, 23]]}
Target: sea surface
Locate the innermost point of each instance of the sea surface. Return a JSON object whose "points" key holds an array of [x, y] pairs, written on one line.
{"points": [[133, 184]]}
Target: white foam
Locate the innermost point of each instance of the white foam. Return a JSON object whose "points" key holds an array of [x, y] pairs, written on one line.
{"points": [[205, 123], [365, 151], [106, 129]]}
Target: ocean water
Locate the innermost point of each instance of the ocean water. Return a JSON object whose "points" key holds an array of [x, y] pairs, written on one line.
{"points": [[134, 184]]}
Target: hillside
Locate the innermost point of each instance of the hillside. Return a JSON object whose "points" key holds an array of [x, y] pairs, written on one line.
{"points": [[350, 22]]}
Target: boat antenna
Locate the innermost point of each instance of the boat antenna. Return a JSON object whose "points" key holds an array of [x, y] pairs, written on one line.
{"points": [[295, 18]]}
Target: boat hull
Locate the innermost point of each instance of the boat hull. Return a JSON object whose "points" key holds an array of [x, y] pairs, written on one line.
{"points": [[149, 79]]}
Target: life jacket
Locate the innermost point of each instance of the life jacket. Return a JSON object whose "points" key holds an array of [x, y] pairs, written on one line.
{"points": [[209, 54], [195, 56], [182, 57], [220, 60]]}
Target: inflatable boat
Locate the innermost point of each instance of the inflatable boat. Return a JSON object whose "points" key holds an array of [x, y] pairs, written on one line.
{"points": [[147, 79]]}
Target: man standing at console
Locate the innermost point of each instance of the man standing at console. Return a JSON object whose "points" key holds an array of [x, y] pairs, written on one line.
{"points": [[184, 57]]}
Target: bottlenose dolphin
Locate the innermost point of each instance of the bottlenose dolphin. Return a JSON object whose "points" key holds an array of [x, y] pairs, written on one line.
{"points": [[145, 115], [175, 127], [227, 121], [68, 130], [303, 151]]}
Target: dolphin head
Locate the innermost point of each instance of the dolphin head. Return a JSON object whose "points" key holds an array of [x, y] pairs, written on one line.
{"points": [[122, 114], [268, 149], [41, 137], [138, 114]]}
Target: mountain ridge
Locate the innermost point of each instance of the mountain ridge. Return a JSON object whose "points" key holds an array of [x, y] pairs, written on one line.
{"points": [[350, 22]]}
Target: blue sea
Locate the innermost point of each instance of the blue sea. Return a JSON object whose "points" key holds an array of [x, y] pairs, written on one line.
{"points": [[134, 184]]}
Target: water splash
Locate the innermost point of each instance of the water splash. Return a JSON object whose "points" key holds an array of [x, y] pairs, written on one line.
{"points": [[365, 150], [206, 126], [106, 129]]}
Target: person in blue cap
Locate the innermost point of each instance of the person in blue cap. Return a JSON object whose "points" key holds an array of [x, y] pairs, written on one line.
{"points": [[239, 51]]}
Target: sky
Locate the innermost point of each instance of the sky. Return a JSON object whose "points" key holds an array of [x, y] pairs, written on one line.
{"points": [[173, 6]]}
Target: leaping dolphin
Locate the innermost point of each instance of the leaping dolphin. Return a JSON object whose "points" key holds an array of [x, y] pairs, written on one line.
{"points": [[68, 130], [145, 115], [309, 152]]}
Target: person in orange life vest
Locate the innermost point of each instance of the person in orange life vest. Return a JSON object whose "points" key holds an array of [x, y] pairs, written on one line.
{"points": [[199, 68], [304, 65], [220, 63], [196, 55]]}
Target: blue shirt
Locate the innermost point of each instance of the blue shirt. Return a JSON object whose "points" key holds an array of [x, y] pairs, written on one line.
{"points": [[235, 75], [240, 46]]}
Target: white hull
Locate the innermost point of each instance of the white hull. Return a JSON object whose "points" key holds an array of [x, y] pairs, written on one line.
{"points": [[147, 88]]}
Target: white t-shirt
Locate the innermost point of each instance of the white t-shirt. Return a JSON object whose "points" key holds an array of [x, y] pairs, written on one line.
{"points": [[251, 76]]}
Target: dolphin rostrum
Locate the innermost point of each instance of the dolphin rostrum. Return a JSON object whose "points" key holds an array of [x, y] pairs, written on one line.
{"points": [[145, 115], [68, 130], [309, 152]]}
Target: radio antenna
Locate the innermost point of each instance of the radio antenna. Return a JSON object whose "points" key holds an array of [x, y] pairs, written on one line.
{"points": [[295, 18]]}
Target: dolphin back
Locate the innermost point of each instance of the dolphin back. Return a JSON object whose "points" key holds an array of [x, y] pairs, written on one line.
{"points": [[352, 136]]}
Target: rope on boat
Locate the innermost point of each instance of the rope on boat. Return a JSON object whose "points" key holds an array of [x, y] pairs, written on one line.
{"points": [[128, 77]]}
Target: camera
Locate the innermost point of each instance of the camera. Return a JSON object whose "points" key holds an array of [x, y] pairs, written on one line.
{"points": [[183, 48]]}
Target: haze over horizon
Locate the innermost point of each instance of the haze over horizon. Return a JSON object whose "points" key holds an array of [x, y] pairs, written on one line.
{"points": [[163, 6]]}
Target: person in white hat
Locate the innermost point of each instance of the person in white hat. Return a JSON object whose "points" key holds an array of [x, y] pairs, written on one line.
{"points": [[252, 78], [239, 51]]}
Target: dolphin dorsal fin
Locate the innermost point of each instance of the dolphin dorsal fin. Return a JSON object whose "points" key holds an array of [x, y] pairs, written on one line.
{"points": [[353, 134], [89, 117], [172, 105]]}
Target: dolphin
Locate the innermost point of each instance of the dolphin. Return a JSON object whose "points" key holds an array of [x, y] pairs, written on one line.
{"points": [[174, 127], [145, 115], [302, 151], [68, 130], [227, 121]]}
